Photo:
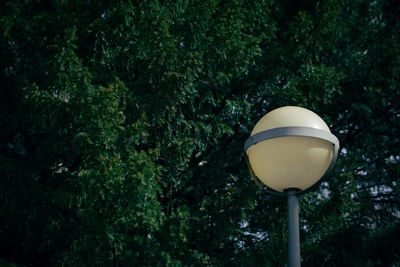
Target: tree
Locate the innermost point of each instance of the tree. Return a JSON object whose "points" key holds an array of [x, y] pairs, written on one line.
{"points": [[123, 125]]}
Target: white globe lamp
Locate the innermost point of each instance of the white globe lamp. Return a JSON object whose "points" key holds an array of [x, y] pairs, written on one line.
{"points": [[291, 150]]}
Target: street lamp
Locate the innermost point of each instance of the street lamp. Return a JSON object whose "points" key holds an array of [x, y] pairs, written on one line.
{"points": [[291, 150]]}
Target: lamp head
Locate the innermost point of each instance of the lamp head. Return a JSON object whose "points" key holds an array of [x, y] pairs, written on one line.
{"points": [[291, 147]]}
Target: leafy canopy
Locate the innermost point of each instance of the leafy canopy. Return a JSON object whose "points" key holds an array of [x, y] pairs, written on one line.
{"points": [[122, 127]]}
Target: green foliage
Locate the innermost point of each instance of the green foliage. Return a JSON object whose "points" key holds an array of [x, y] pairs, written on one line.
{"points": [[122, 127]]}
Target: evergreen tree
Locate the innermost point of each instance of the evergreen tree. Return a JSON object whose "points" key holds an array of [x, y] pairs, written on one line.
{"points": [[123, 123]]}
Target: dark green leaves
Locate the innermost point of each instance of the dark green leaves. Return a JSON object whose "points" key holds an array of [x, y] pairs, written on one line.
{"points": [[123, 126]]}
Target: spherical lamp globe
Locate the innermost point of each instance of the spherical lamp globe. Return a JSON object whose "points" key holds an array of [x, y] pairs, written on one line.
{"points": [[291, 148]]}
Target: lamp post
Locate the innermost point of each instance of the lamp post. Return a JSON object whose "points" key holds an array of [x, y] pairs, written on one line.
{"points": [[291, 150]]}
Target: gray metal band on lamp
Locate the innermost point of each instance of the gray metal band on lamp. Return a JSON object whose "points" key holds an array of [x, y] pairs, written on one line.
{"points": [[294, 131]]}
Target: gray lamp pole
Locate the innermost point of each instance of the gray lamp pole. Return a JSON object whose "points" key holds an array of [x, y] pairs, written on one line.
{"points": [[291, 150], [293, 228]]}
